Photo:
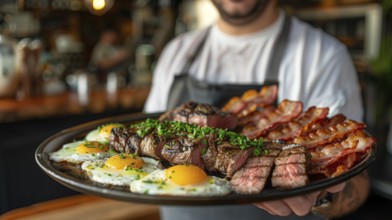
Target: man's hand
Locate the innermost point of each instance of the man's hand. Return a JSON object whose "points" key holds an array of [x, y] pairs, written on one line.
{"points": [[299, 205]]}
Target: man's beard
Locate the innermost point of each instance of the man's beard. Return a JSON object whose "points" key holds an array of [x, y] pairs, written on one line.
{"points": [[241, 18]]}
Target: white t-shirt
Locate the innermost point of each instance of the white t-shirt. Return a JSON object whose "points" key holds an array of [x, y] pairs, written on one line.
{"points": [[315, 69]]}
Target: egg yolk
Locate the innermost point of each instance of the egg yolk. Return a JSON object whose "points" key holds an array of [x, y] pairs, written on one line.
{"points": [[89, 147], [106, 129], [186, 175], [122, 161]]}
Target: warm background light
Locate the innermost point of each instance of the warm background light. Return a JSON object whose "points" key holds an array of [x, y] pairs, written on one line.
{"points": [[99, 4], [99, 7]]}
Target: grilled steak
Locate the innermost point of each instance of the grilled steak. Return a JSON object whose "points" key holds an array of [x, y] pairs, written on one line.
{"points": [[230, 158], [201, 114], [209, 153], [290, 168], [183, 151], [213, 149], [252, 177], [151, 146], [124, 140]]}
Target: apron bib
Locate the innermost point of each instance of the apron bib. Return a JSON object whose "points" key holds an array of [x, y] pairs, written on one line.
{"points": [[186, 88]]}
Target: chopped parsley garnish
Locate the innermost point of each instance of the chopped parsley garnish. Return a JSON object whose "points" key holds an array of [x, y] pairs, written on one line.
{"points": [[203, 151], [177, 128]]}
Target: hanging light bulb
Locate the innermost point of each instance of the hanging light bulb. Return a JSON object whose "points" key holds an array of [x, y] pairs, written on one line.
{"points": [[99, 7]]}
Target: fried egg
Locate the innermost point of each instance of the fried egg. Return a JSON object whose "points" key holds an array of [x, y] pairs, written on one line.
{"points": [[120, 169], [102, 132], [181, 180], [79, 151]]}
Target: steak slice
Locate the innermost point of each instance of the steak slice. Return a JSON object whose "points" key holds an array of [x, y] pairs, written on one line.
{"points": [[183, 151], [124, 140], [253, 176], [209, 153], [180, 113], [204, 115], [152, 145], [291, 168], [230, 158]]}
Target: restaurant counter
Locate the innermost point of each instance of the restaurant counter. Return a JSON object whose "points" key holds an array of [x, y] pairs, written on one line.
{"points": [[24, 124], [69, 103]]}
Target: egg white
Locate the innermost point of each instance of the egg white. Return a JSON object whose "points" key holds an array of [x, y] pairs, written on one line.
{"points": [[156, 183], [96, 135], [69, 154], [99, 172]]}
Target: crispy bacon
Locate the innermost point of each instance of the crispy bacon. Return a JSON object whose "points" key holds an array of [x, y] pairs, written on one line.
{"points": [[251, 100], [253, 118], [326, 155], [329, 134], [328, 122], [249, 109], [234, 105], [286, 111], [266, 96], [342, 166], [297, 126]]}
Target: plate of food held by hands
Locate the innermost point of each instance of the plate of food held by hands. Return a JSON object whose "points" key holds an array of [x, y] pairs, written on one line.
{"points": [[250, 150]]}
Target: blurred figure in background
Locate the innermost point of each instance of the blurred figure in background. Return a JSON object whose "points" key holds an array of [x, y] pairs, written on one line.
{"points": [[108, 55]]}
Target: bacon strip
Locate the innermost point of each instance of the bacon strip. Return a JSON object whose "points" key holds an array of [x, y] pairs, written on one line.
{"points": [[286, 111], [253, 118], [342, 166], [329, 134], [324, 156], [266, 96], [328, 122], [251, 100], [235, 105], [295, 127]]}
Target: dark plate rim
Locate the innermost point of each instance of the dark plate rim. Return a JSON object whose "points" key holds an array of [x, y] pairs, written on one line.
{"points": [[86, 187]]}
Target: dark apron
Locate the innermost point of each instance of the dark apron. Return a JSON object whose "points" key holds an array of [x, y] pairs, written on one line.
{"points": [[185, 88]]}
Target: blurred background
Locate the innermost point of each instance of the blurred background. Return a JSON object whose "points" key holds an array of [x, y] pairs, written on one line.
{"points": [[66, 62]]}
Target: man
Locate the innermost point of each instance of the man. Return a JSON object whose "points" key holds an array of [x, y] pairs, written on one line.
{"points": [[253, 43], [108, 55]]}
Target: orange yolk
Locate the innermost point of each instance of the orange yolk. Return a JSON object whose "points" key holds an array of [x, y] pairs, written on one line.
{"points": [[106, 129], [89, 147], [186, 175], [121, 161]]}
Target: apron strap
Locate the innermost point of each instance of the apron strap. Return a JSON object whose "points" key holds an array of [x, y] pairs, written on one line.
{"points": [[278, 50], [199, 46]]}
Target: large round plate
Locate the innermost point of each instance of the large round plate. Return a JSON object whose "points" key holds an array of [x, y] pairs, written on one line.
{"points": [[54, 142]]}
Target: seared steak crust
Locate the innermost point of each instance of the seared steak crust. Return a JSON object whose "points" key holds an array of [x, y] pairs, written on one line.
{"points": [[151, 146], [230, 158], [124, 140], [183, 151], [201, 114]]}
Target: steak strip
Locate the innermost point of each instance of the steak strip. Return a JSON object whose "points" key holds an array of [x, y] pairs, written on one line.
{"points": [[203, 115], [253, 176], [290, 168]]}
